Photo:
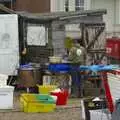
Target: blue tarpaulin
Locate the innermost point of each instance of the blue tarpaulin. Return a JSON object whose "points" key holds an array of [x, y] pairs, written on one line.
{"points": [[69, 67], [96, 68], [59, 67], [26, 67]]}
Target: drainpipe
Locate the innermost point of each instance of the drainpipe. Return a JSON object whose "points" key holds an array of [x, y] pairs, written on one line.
{"points": [[11, 4], [119, 11], [114, 33]]}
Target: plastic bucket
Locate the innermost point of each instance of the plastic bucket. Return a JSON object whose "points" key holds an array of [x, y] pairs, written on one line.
{"points": [[62, 97]]}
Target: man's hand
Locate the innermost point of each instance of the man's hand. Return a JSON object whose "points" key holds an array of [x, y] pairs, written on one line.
{"points": [[24, 51]]}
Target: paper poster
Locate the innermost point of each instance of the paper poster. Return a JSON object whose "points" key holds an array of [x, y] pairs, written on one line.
{"points": [[36, 35]]}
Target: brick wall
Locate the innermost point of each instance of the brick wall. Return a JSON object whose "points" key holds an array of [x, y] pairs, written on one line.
{"points": [[33, 6]]}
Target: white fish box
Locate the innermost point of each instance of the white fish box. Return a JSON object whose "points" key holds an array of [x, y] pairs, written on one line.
{"points": [[3, 80], [99, 115], [3, 83], [3, 77], [114, 84], [6, 97]]}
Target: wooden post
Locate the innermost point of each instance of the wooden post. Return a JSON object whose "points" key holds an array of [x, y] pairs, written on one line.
{"points": [[50, 35]]}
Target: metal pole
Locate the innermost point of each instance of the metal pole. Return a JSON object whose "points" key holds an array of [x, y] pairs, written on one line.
{"points": [[11, 4]]}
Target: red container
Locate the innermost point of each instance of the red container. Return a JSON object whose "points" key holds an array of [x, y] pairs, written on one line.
{"points": [[113, 47], [62, 97]]}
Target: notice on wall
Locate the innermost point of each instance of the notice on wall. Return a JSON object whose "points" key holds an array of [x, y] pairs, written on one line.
{"points": [[9, 44], [36, 35]]}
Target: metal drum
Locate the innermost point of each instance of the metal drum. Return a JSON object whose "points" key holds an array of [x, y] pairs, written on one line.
{"points": [[29, 77]]}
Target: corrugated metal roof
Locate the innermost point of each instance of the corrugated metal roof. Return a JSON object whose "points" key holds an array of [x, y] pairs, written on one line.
{"points": [[6, 10], [53, 15], [6, 0], [41, 17], [58, 15], [71, 13]]}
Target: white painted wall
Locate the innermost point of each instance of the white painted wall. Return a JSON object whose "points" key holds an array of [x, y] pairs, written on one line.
{"points": [[52, 5], [119, 10], [71, 5], [117, 24], [112, 19], [57, 5], [109, 5], [87, 4]]}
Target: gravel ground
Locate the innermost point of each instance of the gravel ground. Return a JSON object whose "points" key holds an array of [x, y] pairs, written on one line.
{"points": [[69, 112]]}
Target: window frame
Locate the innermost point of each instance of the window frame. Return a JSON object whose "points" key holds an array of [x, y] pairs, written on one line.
{"points": [[66, 5], [79, 5]]}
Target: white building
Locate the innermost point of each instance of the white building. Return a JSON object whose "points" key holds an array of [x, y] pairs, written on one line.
{"points": [[112, 19]]}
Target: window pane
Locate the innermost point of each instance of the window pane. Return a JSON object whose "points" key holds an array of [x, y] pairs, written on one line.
{"points": [[79, 8], [79, 4], [66, 5]]}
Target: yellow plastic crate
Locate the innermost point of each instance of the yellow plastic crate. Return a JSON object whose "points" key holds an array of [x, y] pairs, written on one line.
{"points": [[46, 89], [29, 104]]}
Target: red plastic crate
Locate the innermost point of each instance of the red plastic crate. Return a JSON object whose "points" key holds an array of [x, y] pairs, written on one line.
{"points": [[113, 47]]}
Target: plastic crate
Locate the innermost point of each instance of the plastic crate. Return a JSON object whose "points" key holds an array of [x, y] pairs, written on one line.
{"points": [[113, 48], [30, 104], [46, 99], [46, 89]]}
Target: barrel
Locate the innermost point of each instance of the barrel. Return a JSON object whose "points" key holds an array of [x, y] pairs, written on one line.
{"points": [[29, 77]]}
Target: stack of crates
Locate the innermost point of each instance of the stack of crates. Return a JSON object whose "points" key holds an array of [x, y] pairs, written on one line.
{"points": [[34, 103], [46, 89]]}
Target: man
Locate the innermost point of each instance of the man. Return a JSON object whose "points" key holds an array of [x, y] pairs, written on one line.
{"points": [[77, 54], [76, 57]]}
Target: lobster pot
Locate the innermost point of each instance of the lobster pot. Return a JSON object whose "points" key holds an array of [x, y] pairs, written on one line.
{"points": [[114, 84]]}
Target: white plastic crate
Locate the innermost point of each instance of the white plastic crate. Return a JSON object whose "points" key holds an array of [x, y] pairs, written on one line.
{"points": [[100, 115], [6, 97], [3, 83], [96, 114], [114, 84], [3, 79]]}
